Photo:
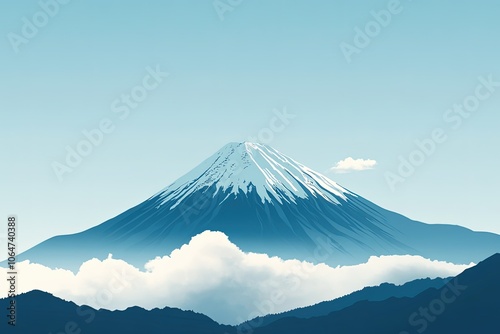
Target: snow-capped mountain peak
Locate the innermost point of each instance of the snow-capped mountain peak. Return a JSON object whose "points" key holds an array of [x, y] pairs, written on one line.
{"points": [[240, 168], [264, 202]]}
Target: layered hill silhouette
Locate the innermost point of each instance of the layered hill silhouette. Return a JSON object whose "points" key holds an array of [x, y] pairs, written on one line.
{"points": [[372, 293], [469, 303], [267, 203], [40, 312]]}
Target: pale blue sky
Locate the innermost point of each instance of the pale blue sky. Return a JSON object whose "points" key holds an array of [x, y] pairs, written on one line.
{"points": [[226, 78]]}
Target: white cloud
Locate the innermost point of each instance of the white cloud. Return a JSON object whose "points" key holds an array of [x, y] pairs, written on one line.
{"points": [[213, 276], [349, 164]]}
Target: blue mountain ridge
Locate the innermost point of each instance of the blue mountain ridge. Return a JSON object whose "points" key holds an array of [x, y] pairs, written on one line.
{"points": [[372, 293], [469, 303], [265, 202], [41, 312]]}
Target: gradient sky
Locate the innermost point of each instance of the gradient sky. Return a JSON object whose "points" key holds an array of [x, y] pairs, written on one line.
{"points": [[226, 78]]}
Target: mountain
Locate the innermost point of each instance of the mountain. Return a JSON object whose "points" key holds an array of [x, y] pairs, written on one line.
{"points": [[470, 303], [372, 293], [265, 202], [40, 312]]}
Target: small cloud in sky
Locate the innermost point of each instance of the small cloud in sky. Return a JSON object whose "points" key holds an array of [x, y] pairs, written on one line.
{"points": [[353, 165]]}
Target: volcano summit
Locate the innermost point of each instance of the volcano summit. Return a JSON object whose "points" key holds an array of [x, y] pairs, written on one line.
{"points": [[268, 203]]}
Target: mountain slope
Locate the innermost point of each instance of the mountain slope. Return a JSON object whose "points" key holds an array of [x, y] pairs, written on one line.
{"points": [[469, 303], [268, 203]]}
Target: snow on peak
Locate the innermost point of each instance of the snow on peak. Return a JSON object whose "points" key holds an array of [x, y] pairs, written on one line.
{"points": [[249, 167]]}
